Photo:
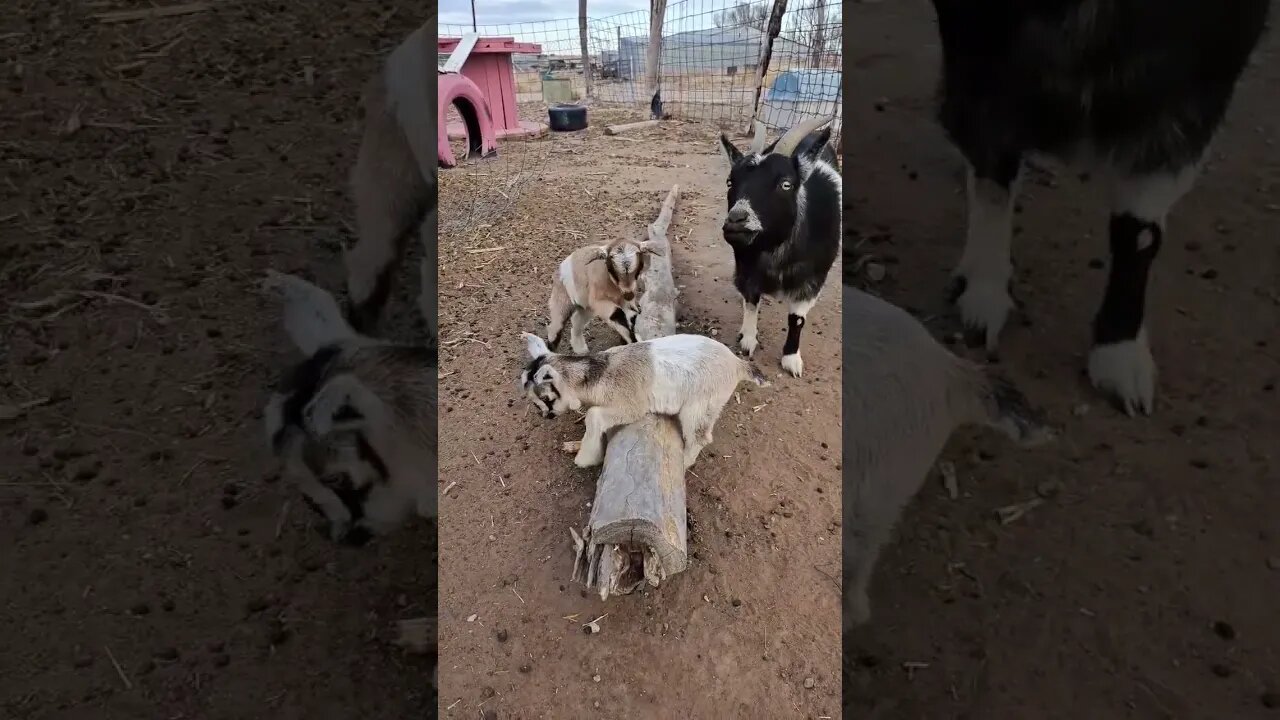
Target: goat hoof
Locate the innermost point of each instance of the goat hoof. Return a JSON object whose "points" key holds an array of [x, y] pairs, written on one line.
{"points": [[984, 308], [747, 345], [1127, 372], [586, 461], [793, 364]]}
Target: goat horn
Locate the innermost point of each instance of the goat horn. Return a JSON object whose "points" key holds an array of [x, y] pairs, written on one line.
{"points": [[788, 142], [757, 141]]}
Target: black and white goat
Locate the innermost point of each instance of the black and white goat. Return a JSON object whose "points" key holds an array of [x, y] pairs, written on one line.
{"points": [[783, 225], [394, 182], [1134, 87], [354, 423]]}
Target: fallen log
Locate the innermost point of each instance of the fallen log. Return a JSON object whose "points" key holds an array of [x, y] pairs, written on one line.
{"points": [[628, 127], [638, 529]]}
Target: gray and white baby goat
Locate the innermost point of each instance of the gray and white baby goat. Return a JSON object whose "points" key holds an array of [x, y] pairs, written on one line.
{"points": [[355, 422], [784, 225], [904, 395], [601, 281], [690, 377], [394, 182]]}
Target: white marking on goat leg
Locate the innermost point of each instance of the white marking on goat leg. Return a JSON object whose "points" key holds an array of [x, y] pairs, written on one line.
{"points": [[753, 221], [1127, 370], [797, 315], [578, 324], [985, 267], [591, 450], [747, 336]]}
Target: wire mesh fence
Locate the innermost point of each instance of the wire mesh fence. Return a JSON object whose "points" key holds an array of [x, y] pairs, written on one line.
{"points": [[709, 68], [709, 63]]}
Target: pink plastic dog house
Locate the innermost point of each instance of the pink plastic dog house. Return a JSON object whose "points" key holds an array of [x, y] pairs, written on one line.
{"points": [[479, 79], [463, 94]]}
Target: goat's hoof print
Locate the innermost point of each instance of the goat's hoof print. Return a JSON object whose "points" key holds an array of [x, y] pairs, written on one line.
{"points": [[793, 364], [1127, 372]]}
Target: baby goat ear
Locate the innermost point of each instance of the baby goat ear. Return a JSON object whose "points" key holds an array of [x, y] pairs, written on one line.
{"points": [[651, 247], [536, 346], [731, 152], [601, 253]]}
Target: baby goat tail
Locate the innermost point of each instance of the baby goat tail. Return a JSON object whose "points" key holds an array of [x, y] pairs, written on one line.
{"points": [[989, 399]]}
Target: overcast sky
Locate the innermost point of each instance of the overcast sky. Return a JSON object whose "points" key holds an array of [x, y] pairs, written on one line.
{"points": [[498, 12]]}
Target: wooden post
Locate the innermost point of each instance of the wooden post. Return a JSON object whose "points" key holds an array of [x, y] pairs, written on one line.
{"points": [[766, 53], [653, 54], [586, 55], [638, 527]]}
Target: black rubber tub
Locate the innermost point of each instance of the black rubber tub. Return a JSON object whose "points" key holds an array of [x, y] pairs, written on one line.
{"points": [[566, 117]]}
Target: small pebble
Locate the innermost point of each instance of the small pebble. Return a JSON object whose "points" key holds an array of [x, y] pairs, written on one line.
{"points": [[168, 653], [526, 668], [595, 678], [1049, 488], [809, 683]]}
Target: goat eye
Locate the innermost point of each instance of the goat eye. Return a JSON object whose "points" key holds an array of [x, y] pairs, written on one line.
{"points": [[728, 183], [786, 185]]}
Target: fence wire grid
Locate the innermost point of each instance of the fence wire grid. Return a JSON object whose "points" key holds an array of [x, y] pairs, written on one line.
{"points": [[709, 60]]}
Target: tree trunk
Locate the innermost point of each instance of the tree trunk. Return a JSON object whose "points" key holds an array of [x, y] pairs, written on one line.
{"points": [[586, 55], [766, 54], [653, 54]]}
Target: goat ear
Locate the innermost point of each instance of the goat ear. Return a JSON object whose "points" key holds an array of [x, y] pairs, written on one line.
{"points": [[536, 346], [601, 253], [813, 145], [731, 152], [651, 247]]}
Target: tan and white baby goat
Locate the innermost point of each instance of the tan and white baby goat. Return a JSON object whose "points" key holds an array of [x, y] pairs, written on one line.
{"points": [[690, 377], [598, 281]]}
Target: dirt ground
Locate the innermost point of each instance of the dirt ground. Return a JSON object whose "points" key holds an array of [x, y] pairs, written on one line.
{"points": [[152, 565], [750, 630], [1145, 585]]}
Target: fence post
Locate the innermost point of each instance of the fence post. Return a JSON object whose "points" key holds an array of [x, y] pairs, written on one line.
{"points": [[766, 53], [586, 56], [653, 54]]}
